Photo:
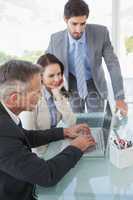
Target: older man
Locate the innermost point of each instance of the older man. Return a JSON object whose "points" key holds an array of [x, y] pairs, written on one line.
{"points": [[20, 169]]}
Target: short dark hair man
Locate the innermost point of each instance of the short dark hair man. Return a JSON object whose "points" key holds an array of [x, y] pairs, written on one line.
{"points": [[20, 169], [81, 47]]}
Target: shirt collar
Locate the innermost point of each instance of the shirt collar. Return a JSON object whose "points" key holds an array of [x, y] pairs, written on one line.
{"points": [[47, 94], [81, 40], [14, 117]]}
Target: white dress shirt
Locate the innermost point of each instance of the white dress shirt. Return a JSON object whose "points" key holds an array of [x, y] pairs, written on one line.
{"points": [[14, 117]]}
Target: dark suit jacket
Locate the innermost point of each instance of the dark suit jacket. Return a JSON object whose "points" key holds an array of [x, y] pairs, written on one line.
{"points": [[20, 169]]}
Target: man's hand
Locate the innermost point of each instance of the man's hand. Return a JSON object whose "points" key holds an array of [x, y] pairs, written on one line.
{"points": [[76, 130], [122, 106], [82, 142]]}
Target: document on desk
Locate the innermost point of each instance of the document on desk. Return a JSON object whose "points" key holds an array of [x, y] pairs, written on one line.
{"points": [[96, 151]]}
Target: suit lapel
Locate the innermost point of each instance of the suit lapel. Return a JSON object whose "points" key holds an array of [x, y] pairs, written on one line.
{"points": [[4, 114], [90, 42], [2, 110], [40, 117]]}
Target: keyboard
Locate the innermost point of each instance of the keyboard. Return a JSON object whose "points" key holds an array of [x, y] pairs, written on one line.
{"points": [[96, 151]]}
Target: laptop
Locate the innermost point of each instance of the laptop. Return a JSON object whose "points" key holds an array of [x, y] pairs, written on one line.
{"points": [[100, 125]]}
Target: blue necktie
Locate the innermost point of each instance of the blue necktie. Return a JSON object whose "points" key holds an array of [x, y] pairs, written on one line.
{"points": [[79, 69]]}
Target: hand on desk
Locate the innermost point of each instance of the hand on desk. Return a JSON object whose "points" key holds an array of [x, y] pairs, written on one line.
{"points": [[83, 142], [122, 106], [76, 130]]}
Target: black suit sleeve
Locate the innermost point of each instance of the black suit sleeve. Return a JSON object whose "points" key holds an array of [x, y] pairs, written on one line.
{"points": [[38, 138], [17, 161]]}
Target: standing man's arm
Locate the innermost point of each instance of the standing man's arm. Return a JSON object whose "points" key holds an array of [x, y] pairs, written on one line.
{"points": [[113, 66]]}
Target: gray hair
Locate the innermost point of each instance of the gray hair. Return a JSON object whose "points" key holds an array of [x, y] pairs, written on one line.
{"points": [[15, 76]]}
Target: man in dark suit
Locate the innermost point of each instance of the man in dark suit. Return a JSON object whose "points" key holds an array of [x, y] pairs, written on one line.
{"points": [[20, 169], [81, 48]]}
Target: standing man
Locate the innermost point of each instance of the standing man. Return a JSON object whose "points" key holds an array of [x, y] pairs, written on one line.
{"points": [[20, 169], [81, 47]]}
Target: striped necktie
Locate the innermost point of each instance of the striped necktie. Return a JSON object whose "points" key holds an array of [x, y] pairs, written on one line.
{"points": [[79, 69]]}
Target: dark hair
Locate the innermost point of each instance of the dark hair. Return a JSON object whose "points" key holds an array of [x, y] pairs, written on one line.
{"points": [[18, 70], [48, 59], [75, 8]]}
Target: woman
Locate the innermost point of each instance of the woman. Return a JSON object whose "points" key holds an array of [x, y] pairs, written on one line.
{"points": [[53, 106]]}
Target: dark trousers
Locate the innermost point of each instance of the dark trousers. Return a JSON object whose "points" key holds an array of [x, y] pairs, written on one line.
{"points": [[93, 101]]}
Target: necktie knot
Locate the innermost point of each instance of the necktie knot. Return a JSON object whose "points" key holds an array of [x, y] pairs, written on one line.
{"points": [[20, 124], [78, 44]]}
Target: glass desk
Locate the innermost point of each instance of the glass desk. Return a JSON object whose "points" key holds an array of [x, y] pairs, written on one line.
{"points": [[92, 178]]}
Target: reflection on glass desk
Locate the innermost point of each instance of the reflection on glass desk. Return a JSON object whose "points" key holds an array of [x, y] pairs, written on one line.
{"points": [[92, 178]]}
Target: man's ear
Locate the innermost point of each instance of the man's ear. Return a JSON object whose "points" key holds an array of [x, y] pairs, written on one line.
{"points": [[65, 19], [12, 100], [14, 97]]}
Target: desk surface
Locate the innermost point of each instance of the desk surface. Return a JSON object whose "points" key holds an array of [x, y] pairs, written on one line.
{"points": [[92, 178]]}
